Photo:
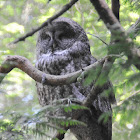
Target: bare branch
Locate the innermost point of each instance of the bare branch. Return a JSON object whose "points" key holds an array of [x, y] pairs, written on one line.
{"points": [[116, 8], [25, 65], [62, 11]]}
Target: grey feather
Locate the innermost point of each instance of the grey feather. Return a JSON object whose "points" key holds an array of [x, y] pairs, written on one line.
{"points": [[62, 48]]}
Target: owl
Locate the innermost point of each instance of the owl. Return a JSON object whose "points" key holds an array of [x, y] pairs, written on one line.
{"points": [[62, 48]]}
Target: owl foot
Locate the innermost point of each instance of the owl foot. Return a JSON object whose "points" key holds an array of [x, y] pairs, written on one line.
{"points": [[43, 81]]}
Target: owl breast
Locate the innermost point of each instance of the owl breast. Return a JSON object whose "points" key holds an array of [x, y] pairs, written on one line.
{"points": [[63, 48]]}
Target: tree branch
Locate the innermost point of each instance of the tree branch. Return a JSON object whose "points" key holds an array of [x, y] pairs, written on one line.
{"points": [[116, 8], [106, 15], [62, 11], [24, 64], [124, 43]]}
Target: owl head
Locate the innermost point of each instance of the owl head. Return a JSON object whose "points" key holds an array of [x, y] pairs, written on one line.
{"points": [[61, 34]]}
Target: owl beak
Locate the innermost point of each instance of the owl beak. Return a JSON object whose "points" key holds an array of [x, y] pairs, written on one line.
{"points": [[53, 43], [53, 47]]}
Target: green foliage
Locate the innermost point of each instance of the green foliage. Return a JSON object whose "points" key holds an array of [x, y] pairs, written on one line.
{"points": [[71, 107], [104, 117], [20, 126], [92, 75], [9, 126]]}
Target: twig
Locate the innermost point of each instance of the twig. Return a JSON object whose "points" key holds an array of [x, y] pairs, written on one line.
{"points": [[98, 38], [131, 96], [63, 10], [134, 29]]}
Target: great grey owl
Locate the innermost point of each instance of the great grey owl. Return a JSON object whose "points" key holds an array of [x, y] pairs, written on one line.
{"points": [[62, 48]]}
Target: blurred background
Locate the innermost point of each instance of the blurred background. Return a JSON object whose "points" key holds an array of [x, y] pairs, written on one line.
{"points": [[18, 92]]}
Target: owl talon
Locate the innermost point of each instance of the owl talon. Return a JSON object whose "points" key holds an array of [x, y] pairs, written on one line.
{"points": [[81, 77], [69, 101], [43, 79]]}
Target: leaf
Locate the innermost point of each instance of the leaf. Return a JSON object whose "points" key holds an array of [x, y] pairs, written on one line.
{"points": [[104, 117], [92, 75]]}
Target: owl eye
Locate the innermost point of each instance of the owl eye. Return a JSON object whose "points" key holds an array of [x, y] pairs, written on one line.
{"points": [[61, 37], [64, 36], [45, 36]]}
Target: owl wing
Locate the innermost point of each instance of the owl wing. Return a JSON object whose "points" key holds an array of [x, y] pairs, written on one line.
{"points": [[101, 105]]}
